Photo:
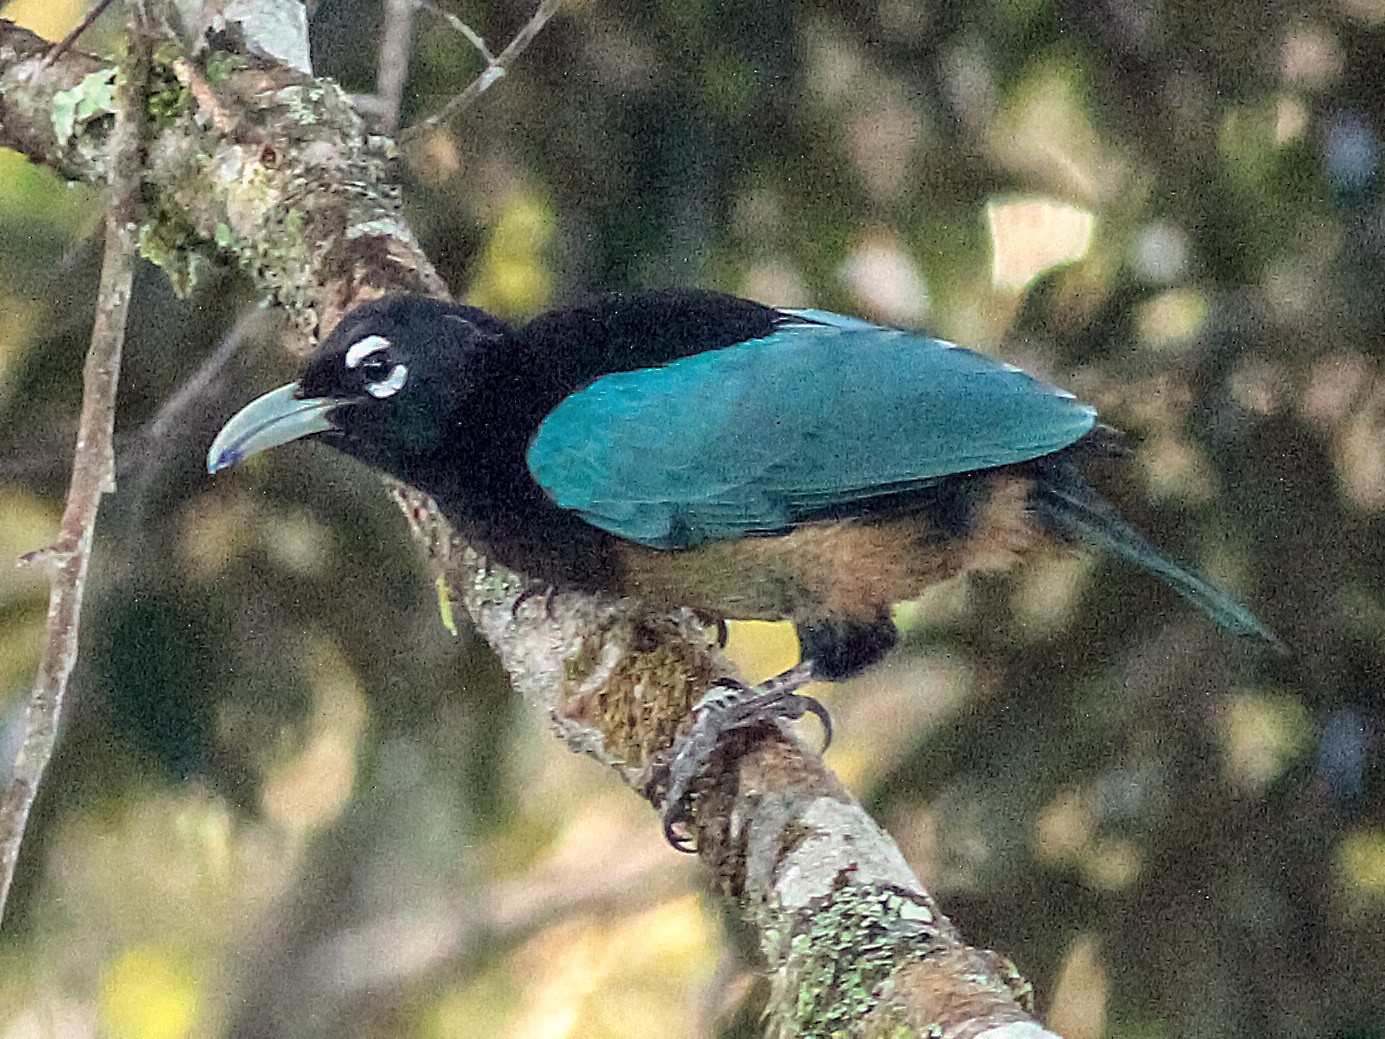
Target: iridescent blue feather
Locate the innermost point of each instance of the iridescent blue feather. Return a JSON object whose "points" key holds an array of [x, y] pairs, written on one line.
{"points": [[827, 413]]}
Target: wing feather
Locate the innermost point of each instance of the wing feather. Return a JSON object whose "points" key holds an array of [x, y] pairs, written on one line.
{"points": [[827, 413]]}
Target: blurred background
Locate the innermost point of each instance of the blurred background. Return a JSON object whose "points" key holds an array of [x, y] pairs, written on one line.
{"points": [[289, 803]]}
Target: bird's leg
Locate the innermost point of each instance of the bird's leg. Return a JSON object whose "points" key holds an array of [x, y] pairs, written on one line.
{"points": [[729, 706]]}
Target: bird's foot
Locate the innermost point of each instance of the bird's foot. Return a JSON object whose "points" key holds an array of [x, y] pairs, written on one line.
{"points": [[716, 623], [534, 590], [728, 706]]}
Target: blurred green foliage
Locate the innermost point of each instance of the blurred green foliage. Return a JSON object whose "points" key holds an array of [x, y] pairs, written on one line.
{"points": [[289, 803]]}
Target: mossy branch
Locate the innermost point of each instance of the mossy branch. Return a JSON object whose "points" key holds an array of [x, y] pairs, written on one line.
{"points": [[250, 161]]}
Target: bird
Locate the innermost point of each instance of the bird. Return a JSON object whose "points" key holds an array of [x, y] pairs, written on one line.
{"points": [[692, 449]]}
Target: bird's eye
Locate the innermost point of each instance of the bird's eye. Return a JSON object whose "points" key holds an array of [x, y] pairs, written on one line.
{"points": [[371, 357], [376, 367]]}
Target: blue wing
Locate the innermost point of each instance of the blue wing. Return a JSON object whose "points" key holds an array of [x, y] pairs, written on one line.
{"points": [[826, 412]]}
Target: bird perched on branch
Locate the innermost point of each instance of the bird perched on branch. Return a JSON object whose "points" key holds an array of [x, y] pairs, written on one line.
{"points": [[697, 450]]}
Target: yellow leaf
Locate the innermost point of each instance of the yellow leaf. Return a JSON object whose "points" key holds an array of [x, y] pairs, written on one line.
{"points": [[51, 19], [147, 993], [761, 649], [514, 277], [1361, 860]]}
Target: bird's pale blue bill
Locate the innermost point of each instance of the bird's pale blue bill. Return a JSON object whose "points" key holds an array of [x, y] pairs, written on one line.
{"points": [[276, 418]]}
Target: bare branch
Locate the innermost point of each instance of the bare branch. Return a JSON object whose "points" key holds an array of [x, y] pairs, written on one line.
{"points": [[473, 37], [504, 915], [148, 450], [197, 384], [393, 68], [494, 70], [93, 469]]}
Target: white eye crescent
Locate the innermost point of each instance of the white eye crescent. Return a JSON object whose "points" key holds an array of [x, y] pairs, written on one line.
{"points": [[359, 351], [390, 384]]}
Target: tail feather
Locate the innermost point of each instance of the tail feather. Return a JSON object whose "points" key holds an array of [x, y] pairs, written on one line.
{"points": [[1070, 508]]}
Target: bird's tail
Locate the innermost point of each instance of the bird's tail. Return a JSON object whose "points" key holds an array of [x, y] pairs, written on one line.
{"points": [[1068, 507]]}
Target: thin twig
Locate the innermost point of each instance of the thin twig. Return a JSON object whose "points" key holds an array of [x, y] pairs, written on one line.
{"points": [[144, 451], [148, 450], [393, 68], [93, 468], [60, 48], [473, 37], [503, 916], [494, 70], [195, 386]]}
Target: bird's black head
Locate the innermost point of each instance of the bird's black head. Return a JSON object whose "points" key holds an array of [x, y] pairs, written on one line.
{"points": [[388, 386]]}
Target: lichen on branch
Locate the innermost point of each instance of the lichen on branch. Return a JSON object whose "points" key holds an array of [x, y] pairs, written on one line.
{"points": [[255, 163]]}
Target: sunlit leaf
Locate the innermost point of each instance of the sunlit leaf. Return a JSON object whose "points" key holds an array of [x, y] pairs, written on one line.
{"points": [[312, 785], [148, 993], [1031, 237], [514, 278], [1361, 859], [52, 19], [1262, 733]]}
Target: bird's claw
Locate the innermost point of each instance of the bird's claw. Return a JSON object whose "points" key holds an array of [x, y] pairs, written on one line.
{"points": [[715, 622], [726, 707], [535, 589]]}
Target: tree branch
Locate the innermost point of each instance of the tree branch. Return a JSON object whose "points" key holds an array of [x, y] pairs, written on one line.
{"points": [[278, 171], [264, 166], [495, 67], [854, 943], [67, 559], [393, 70]]}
